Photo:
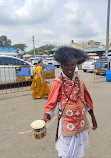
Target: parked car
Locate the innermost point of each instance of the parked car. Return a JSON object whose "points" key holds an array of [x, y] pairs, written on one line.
{"points": [[33, 61], [51, 60], [105, 64], [7, 68], [26, 57], [88, 65], [104, 68]]}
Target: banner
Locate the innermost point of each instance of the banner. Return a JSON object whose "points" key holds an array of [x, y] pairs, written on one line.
{"points": [[49, 71], [98, 66], [23, 74], [8, 50]]}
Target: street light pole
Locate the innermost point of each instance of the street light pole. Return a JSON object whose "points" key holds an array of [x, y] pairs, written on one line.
{"points": [[107, 31], [83, 45], [33, 44]]}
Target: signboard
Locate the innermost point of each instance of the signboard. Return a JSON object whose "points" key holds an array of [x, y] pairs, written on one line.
{"points": [[8, 50], [98, 66], [49, 71], [23, 74]]}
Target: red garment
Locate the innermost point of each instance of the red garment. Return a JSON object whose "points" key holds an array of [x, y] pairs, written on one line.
{"points": [[74, 118]]}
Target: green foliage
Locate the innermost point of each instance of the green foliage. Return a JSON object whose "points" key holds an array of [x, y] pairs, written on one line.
{"points": [[20, 46], [46, 48], [29, 52], [41, 53], [4, 42]]}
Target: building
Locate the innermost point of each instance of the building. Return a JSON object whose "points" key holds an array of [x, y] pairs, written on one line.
{"points": [[89, 44]]}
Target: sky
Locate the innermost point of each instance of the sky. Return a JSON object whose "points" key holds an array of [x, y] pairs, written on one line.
{"points": [[56, 22]]}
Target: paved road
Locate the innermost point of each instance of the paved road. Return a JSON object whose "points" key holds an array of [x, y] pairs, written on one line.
{"points": [[18, 110]]}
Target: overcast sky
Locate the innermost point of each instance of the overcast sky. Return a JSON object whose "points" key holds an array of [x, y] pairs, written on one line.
{"points": [[53, 21]]}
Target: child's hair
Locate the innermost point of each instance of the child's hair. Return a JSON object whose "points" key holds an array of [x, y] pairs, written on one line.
{"points": [[63, 54]]}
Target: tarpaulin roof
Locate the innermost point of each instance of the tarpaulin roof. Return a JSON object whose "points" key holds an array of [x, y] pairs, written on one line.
{"points": [[92, 54], [96, 49]]}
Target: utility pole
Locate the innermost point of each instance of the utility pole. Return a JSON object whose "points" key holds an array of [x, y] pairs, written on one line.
{"points": [[33, 44], [83, 45], [107, 31]]}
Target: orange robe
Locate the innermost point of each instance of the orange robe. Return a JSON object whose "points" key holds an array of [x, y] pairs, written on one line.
{"points": [[74, 117], [40, 90]]}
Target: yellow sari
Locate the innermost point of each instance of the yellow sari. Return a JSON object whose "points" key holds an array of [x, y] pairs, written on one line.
{"points": [[40, 90]]}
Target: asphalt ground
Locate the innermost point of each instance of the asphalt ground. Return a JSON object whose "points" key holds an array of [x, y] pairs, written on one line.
{"points": [[18, 110]]}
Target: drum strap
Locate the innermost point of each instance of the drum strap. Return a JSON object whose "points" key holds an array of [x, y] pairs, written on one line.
{"points": [[56, 137]]}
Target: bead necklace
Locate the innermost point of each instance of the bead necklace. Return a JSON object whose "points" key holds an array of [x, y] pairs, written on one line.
{"points": [[68, 96]]}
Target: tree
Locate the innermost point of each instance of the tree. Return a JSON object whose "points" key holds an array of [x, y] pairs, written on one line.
{"points": [[29, 52], [20, 46], [45, 48], [4, 42]]}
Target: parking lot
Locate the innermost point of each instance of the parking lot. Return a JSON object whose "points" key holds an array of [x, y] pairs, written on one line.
{"points": [[18, 110]]}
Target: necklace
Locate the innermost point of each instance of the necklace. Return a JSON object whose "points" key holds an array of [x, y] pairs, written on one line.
{"points": [[68, 96]]}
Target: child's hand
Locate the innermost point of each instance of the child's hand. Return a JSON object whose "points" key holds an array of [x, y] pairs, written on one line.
{"points": [[94, 123]]}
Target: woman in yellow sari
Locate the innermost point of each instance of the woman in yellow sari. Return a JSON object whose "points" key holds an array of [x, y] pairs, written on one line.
{"points": [[39, 85]]}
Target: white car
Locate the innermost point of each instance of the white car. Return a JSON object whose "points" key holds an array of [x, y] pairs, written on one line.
{"points": [[8, 66], [88, 65], [51, 60], [33, 61]]}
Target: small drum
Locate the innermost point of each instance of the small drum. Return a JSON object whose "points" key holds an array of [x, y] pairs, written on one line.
{"points": [[39, 129]]}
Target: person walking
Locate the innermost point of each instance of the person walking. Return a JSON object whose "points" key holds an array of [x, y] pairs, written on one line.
{"points": [[39, 85], [69, 92]]}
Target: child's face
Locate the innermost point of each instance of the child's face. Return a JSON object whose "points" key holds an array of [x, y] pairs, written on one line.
{"points": [[69, 68]]}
